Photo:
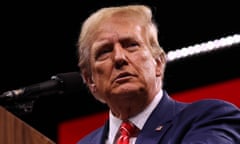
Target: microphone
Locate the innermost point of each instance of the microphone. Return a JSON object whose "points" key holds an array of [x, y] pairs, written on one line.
{"points": [[70, 83]]}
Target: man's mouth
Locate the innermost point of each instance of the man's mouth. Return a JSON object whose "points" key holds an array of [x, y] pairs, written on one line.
{"points": [[123, 77]]}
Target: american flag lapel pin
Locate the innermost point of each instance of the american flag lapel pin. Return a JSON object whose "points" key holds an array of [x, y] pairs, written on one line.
{"points": [[159, 128]]}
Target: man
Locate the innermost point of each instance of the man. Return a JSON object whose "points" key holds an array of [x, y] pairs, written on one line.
{"points": [[123, 66]]}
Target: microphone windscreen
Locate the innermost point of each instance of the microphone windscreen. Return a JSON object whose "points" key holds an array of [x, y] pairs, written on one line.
{"points": [[72, 82]]}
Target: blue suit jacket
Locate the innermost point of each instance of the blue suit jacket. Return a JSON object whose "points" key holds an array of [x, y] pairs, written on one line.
{"points": [[172, 122]]}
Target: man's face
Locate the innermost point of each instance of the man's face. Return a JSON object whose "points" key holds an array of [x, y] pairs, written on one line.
{"points": [[122, 65]]}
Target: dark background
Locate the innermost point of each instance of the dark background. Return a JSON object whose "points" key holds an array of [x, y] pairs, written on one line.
{"points": [[38, 40]]}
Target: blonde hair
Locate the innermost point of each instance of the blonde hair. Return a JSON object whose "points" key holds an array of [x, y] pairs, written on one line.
{"points": [[90, 25]]}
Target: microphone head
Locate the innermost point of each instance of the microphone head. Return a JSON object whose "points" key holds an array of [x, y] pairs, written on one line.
{"points": [[71, 82]]}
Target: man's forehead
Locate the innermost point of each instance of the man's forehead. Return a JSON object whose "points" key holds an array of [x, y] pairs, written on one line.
{"points": [[113, 36], [117, 30]]}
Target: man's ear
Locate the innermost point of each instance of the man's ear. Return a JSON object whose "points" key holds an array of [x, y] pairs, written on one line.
{"points": [[159, 66], [88, 80]]}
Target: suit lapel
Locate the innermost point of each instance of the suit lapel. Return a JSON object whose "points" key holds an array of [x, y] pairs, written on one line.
{"points": [[101, 135], [159, 121], [156, 126]]}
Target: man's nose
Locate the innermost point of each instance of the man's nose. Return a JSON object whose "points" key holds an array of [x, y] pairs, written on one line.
{"points": [[119, 56]]}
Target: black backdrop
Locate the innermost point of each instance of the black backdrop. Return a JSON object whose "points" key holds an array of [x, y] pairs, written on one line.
{"points": [[38, 40]]}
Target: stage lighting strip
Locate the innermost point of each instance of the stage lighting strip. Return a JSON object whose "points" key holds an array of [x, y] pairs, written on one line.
{"points": [[221, 43]]}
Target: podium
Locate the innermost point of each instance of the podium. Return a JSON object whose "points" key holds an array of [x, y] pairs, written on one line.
{"points": [[15, 131]]}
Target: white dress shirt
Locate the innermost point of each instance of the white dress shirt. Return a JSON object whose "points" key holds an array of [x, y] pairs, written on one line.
{"points": [[139, 120]]}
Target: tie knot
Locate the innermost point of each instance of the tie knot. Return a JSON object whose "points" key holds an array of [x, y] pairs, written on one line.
{"points": [[128, 129]]}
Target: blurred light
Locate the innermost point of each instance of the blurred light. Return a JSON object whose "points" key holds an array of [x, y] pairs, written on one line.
{"points": [[221, 43]]}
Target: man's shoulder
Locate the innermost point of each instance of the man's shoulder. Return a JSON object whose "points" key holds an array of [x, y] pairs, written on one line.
{"points": [[211, 107], [205, 121], [213, 104]]}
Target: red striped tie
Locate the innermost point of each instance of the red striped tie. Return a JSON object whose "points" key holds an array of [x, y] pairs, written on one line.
{"points": [[126, 130]]}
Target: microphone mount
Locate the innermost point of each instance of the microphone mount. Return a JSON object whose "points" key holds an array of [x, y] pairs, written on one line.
{"points": [[21, 101]]}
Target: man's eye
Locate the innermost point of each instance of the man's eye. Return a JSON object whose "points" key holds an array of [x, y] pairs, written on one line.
{"points": [[101, 54], [105, 51], [131, 45]]}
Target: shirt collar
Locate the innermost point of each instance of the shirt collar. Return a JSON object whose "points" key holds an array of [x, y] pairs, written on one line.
{"points": [[139, 120]]}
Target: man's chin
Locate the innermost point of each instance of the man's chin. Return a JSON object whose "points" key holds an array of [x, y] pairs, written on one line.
{"points": [[126, 89]]}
